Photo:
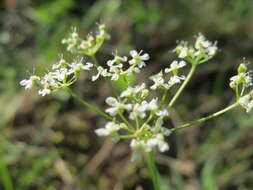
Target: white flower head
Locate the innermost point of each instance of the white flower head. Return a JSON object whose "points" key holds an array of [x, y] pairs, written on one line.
{"points": [[111, 128], [174, 66], [247, 102], [101, 72], [175, 79], [28, 84], [158, 81], [79, 66], [182, 49], [116, 106], [138, 59], [44, 92], [139, 110]]}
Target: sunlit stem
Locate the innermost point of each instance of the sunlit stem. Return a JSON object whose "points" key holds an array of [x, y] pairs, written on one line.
{"points": [[94, 59], [203, 119], [137, 122], [164, 97], [127, 136], [153, 170], [86, 104], [193, 68]]}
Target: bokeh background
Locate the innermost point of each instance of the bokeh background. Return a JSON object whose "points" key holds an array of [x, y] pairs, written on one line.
{"points": [[49, 143]]}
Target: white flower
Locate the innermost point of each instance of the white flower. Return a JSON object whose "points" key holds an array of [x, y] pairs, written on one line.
{"points": [[246, 102], [110, 129], [175, 79], [77, 67], [182, 49], [128, 92], [60, 74], [49, 80], [174, 66], [138, 59], [157, 141], [162, 113], [131, 70], [139, 110], [203, 45], [72, 41], [183, 52], [139, 90], [60, 64], [116, 106], [28, 84], [241, 78], [152, 105], [158, 81], [44, 92], [101, 71]]}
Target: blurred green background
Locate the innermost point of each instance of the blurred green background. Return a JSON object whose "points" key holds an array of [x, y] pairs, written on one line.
{"points": [[49, 143]]}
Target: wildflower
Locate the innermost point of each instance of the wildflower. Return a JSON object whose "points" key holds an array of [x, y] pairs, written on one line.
{"points": [[44, 92], [157, 141], [101, 71], [111, 128], [89, 46], [138, 59], [158, 81], [174, 66], [182, 49], [139, 110], [72, 41], [202, 51], [162, 113], [116, 106], [62, 63], [242, 77], [78, 67], [175, 79], [28, 84], [247, 102]]}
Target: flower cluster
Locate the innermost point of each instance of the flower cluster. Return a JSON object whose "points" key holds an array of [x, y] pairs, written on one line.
{"points": [[63, 74], [202, 51], [134, 114], [160, 80], [240, 83], [243, 78], [90, 46], [116, 66], [140, 117]]}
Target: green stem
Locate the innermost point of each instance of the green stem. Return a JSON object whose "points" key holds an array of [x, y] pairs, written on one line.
{"points": [[164, 97], [86, 104], [203, 119], [183, 85], [94, 59], [153, 170]]}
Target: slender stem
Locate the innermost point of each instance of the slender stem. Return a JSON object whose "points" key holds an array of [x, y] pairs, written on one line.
{"points": [[153, 170], [94, 59], [183, 85], [203, 119], [86, 104], [127, 136], [164, 97]]}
